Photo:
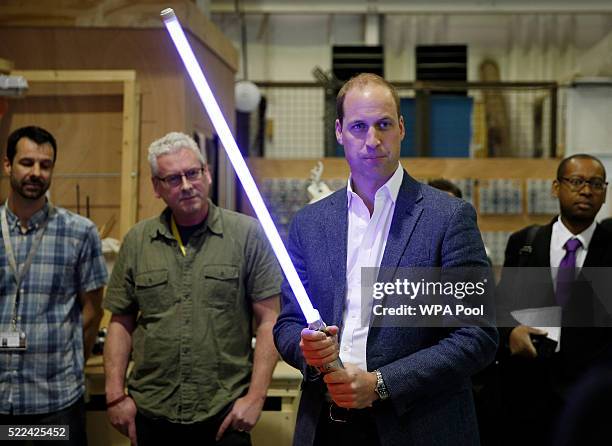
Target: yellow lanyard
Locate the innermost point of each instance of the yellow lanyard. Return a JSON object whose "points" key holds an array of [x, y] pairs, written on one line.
{"points": [[177, 236]]}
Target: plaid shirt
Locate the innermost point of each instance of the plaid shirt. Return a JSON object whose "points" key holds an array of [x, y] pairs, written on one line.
{"points": [[49, 375]]}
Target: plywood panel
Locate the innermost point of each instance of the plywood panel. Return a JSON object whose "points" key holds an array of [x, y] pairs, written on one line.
{"points": [[118, 14], [87, 129], [165, 98]]}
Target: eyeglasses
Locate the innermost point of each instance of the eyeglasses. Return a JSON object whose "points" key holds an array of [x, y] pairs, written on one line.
{"points": [[176, 179], [577, 183]]}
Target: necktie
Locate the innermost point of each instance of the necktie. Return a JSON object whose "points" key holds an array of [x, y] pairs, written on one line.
{"points": [[567, 271]]}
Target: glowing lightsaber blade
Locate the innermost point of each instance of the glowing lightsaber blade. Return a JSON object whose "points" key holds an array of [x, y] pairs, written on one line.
{"points": [[231, 148]]}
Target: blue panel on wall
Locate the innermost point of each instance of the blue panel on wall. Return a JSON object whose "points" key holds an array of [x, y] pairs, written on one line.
{"points": [[450, 130], [450, 126]]}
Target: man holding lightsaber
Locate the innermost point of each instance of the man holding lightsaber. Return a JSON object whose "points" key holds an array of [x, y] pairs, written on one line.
{"points": [[404, 386], [183, 293]]}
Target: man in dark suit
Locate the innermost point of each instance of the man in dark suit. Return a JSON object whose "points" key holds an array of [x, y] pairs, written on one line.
{"points": [[400, 385], [534, 383]]}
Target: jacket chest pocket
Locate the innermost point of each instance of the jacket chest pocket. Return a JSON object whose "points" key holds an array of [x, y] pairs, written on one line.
{"points": [[151, 290], [221, 284]]}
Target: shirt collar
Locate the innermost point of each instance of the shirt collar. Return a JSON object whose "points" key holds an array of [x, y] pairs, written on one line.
{"points": [[214, 220], [390, 188], [35, 220], [214, 223], [561, 234]]}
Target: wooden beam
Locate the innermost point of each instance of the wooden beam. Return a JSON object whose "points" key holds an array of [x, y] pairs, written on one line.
{"points": [[66, 89], [77, 75], [129, 157]]}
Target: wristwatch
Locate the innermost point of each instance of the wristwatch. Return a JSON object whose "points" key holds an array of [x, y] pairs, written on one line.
{"points": [[381, 388]]}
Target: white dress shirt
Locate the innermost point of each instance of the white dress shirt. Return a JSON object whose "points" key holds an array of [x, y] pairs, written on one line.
{"points": [[367, 238], [560, 235]]}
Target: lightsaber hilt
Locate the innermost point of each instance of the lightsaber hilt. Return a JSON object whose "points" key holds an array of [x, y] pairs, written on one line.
{"points": [[336, 364]]}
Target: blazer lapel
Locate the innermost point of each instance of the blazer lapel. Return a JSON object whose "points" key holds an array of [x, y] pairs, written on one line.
{"points": [[597, 248], [334, 227], [541, 250], [407, 212]]}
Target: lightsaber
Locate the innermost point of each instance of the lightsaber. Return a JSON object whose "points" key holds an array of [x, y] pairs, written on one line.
{"points": [[242, 171]]}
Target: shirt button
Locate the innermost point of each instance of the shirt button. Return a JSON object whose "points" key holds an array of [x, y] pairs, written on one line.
{"points": [[346, 349]]}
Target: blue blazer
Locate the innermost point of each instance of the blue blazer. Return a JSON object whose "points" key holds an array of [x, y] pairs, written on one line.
{"points": [[427, 370]]}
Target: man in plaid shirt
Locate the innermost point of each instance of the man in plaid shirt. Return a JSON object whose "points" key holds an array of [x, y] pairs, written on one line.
{"points": [[52, 274]]}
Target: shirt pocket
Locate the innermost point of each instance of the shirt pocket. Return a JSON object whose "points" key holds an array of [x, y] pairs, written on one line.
{"points": [[221, 285], [151, 290]]}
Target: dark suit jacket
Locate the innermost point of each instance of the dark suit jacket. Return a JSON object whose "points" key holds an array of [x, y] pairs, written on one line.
{"points": [[581, 346], [532, 391], [427, 370]]}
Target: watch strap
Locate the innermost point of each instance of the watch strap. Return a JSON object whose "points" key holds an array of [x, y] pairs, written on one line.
{"points": [[381, 387]]}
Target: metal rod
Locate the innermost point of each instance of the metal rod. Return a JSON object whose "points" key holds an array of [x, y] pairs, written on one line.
{"points": [[78, 199], [553, 121]]}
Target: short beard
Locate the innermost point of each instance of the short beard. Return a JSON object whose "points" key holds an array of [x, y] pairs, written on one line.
{"points": [[19, 188]]}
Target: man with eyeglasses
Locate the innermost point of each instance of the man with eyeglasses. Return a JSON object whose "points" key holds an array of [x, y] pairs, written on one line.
{"points": [[183, 293], [535, 379]]}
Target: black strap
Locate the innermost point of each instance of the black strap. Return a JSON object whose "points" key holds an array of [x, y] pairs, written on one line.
{"points": [[527, 247]]}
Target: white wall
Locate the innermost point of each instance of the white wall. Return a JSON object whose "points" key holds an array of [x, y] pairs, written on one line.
{"points": [[285, 47], [527, 47]]}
